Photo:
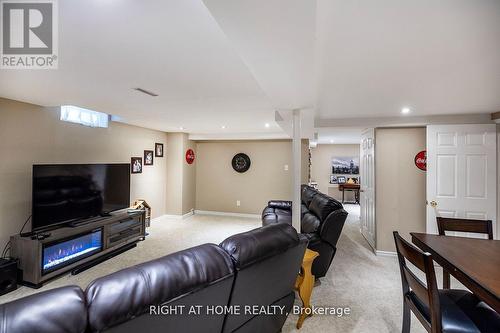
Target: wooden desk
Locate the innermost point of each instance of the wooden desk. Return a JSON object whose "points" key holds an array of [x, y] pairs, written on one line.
{"points": [[350, 187], [474, 262]]}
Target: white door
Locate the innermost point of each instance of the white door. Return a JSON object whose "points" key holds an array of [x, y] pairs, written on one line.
{"points": [[367, 195], [461, 173]]}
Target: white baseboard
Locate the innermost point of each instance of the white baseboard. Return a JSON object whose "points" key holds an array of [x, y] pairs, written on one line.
{"points": [[177, 217], [385, 253], [210, 212]]}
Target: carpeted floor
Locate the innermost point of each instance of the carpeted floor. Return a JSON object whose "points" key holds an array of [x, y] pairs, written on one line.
{"points": [[369, 285]]}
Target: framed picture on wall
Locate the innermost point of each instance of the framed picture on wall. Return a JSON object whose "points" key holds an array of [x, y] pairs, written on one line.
{"points": [[136, 164], [341, 179], [333, 179], [345, 165], [158, 149], [148, 157]]}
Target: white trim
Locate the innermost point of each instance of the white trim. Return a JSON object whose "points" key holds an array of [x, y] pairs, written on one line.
{"points": [[170, 216], [210, 212], [385, 253], [176, 217]]}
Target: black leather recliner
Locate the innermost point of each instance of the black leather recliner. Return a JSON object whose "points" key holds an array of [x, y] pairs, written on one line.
{"points": [[256, 268], [322, 220]]}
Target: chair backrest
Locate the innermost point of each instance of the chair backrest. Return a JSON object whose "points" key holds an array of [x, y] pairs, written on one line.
{"points": [[465, 225], [60, 310], [427, 293], [156, 296], [267, 261]]}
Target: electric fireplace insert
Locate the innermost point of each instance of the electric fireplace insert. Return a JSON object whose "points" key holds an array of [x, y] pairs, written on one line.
{"points": [[67, 251]]}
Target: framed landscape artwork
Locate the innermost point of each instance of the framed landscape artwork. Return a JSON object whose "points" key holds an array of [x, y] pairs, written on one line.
{"points": [[345, 165]]}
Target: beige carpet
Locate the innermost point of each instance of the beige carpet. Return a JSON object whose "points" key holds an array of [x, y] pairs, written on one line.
{"points": [[369, 285]]}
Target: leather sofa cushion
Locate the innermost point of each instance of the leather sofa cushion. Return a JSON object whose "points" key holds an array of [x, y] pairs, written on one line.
{"points": [[282, 204], [322, 206], [310, 223], [462, 312], [274, 215], [255, 245], [303, 210], [123, 295], [60, 310], [307, 195]]}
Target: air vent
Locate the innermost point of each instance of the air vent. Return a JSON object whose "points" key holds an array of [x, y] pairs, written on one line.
{"points": [[144, 91]]}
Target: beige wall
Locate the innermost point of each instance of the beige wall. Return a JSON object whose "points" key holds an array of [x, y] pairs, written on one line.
{"points": [[218, 186], [498, 182], [174, 173], [189, 176], [400, 185], [32, 134], [181, 176], [321, 167]]}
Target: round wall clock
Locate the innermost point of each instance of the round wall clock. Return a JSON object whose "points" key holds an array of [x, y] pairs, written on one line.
{"points": [[241, 162]]}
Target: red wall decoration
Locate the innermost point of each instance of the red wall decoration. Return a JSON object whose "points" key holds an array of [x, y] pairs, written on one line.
{"points": [[189, 156], [421, 160]]}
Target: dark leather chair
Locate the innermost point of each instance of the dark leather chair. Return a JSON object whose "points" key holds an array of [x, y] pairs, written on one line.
{"points": [[60, 310], [462, 225], [202, 275], [322, 220], [449, 310], [261, 277], [258, 267]]}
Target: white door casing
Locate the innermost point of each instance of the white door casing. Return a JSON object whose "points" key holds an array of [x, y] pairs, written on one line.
{"points": [[367, 194], [461, 173]]}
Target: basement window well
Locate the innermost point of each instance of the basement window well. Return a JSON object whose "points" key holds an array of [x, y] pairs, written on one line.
{"points": [[75, 114]]}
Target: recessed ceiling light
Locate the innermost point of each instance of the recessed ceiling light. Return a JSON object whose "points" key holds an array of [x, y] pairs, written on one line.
{"points": [[223, 126], [331, 141], [405, 110], [267, 125], [181, 128]]}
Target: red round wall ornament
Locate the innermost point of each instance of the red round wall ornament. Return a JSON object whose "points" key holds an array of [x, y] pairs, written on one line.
{"points": [[189, 156], [421, 160]]}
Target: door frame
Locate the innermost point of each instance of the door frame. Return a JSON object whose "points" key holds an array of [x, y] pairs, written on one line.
{"points": [[372, 242]]}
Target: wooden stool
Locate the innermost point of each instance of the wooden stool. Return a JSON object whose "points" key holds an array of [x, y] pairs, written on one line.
{"points": [[305, 283]]}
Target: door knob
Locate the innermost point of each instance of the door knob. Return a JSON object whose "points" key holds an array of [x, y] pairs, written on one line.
{"points": [[433, 203]]}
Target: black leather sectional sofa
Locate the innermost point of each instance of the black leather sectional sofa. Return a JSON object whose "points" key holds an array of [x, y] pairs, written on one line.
{"points": [[322, 220], [253, 269]]}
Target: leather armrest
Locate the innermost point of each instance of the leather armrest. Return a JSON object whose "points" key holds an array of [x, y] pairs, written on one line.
{"points": [[281, 204], [332, 226]]}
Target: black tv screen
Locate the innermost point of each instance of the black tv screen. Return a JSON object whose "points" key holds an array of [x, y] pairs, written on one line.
{"points": [[70, 192]]}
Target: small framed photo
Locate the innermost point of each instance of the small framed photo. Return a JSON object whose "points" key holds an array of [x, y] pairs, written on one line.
{"points": [[341, 179], [333, 179], [136, 164], [158, 149], [148, 157]]}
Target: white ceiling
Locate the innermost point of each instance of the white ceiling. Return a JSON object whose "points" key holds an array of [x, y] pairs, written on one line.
{"points": [[173, 48], [232, 63], [343, 135], [437, 57]]}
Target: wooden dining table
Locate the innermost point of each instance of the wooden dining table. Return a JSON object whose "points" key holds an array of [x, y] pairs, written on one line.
{"points": [[472, 261]]}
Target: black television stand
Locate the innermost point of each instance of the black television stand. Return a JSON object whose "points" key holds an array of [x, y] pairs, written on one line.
{"points": [[120, 231]]}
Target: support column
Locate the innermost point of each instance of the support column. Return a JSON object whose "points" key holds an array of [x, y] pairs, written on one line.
{"points": [[297, 163]]}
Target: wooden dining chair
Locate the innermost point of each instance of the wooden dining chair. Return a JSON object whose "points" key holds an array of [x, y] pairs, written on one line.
{"points": [[462, 225], [438, 310], [416, 293]]}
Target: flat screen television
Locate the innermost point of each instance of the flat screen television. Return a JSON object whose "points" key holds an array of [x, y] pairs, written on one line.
{"points": [[65, 193]]}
